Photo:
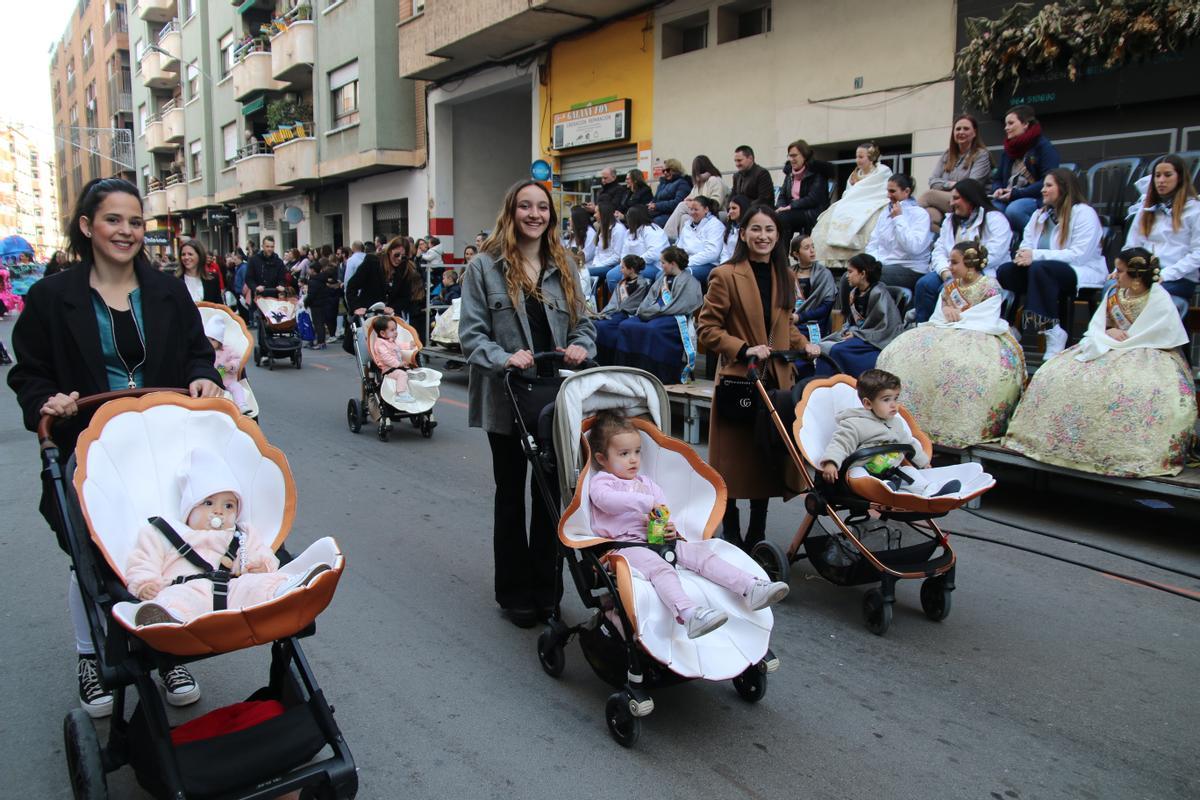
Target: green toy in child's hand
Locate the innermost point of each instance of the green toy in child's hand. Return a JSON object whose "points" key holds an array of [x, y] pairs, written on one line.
{"points": [[656, 528], [883, 463]]}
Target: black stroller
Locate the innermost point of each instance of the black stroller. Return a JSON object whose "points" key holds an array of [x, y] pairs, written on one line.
{"points": [[630, 638], [278, 335], [268, 759]]}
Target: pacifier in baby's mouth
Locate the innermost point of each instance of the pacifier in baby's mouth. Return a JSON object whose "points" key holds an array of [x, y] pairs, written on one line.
{"points": [[216, 523]]}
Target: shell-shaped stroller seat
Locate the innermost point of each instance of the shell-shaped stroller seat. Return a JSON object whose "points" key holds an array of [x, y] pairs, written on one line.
{"points": [[237, 338], [814, 428], [128, 459], [424, 384], [278, 312], [696, 498]]}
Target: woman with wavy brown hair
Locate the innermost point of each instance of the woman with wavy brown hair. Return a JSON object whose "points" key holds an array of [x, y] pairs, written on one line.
{"points": [[520, 296]]}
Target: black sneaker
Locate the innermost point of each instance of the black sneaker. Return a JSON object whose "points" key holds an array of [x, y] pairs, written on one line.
{"points": [[951, 487], [93, 697], [182, 689]]}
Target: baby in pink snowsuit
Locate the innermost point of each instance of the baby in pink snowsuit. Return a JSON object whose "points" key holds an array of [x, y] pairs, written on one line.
{"points": [[391, 356], [211, 506], [227, 360], [623, 502]]}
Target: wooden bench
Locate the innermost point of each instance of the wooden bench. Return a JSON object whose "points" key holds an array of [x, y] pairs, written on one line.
{"points": [[694, 401]]}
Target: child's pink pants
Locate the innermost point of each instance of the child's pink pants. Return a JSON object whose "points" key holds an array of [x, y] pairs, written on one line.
{"points": [[691, 556]]}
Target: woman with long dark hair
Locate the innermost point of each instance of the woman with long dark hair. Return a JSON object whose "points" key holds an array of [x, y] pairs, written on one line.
{"points": [[1168, 225], [111, 322], [645, 240], [391, 278], [521, 295], [201, 284], [966, 157], [747, 314], [638, 191]]}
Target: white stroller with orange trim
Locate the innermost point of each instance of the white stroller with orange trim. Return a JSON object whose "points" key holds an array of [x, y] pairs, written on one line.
{"points": [[875, 532], [631, 638], [124, 472], [378, 400], [278, 336], [237, 338]]}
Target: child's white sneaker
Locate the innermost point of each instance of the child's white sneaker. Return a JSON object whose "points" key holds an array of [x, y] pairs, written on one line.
{"points": [[405, 397], [301, 579], [154, 614], [766, 593], [705, 620]]}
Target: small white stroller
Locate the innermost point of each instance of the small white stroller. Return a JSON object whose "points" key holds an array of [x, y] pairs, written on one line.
{"points": [[445, 327], [237, 337], [378, 401]]}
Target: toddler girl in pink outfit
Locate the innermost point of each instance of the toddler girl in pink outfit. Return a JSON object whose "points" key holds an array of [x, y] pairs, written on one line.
{"points": [[227, 361], [391, 356], [623, 502], [211, 507]]}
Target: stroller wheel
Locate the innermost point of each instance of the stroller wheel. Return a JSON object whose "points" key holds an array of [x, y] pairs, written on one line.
{"points": [[935, 598], [772, 559], [384, 430], [426, 428], [551, 653], [877, 614], [751, 685], [298, 359], [353, 416], [84, 763], [622, 724], [416, 421]]}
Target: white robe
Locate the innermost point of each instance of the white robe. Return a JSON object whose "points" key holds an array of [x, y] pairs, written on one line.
{"points": [[1157, 327]]}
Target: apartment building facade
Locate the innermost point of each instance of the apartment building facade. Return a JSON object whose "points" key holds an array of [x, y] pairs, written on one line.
{"points": [[289, 120], [91, 99], [28, 204]]}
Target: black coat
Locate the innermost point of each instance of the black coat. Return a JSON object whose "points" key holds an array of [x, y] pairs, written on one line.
{"points": [[56, 343], [638, 197], [614, 193], [814, 188], [321, 291], [369, 286], [756, 184], [266, 271], [210, 286]]}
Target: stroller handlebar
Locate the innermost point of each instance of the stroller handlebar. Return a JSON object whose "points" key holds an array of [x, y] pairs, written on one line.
{"points": [[785, 355], [89, 403], [547, 357]]}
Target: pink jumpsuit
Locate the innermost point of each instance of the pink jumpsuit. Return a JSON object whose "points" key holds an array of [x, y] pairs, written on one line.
{"points": [[390, 354], [619, 509], [228, 360], [154, 563]]}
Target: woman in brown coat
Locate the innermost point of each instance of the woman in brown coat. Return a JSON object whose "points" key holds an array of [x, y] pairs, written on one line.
{"points": [[755, 285]]}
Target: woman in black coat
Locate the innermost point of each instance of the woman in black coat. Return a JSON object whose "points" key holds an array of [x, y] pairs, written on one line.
{"points": [[799, 206], [200, 283], [391, 279], [111, 322]]}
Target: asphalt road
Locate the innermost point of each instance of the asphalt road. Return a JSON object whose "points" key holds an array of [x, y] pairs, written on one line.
{"points": [[1047, 681]]}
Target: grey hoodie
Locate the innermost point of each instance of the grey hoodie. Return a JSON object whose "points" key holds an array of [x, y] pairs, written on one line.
{"points": [[859, 427]]}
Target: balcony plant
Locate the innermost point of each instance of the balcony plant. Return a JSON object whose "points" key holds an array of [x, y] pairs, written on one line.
{"points": [[286, 119], [1071, 37]]}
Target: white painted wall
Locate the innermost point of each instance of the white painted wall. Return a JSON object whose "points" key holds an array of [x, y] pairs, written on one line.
{"points": [[757, 91], [397, 185]]}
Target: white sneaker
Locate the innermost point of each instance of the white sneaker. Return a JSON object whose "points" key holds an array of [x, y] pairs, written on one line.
{"points": [[765, 593], [705, 620], [405, 397], [1056, 340], [301, 579], [154, 614]]}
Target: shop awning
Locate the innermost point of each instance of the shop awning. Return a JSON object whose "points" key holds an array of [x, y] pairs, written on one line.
{"points": [[256, 104]]}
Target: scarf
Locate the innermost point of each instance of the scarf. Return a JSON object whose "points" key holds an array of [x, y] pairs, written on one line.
{"points": [[1018, 146]]}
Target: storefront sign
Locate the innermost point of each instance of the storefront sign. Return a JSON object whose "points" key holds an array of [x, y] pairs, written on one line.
{"points": [[594, 124], [540, 170], [159, 237], [219, 216]]}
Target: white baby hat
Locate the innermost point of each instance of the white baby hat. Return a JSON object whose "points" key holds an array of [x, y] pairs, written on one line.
{"points": [[203, 473]]}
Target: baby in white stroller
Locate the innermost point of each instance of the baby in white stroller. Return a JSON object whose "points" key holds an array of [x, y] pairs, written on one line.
{"points": [[395, 386]]}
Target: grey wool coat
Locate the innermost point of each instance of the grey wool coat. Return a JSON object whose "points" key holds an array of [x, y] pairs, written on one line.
{"points": [[491, 329]]}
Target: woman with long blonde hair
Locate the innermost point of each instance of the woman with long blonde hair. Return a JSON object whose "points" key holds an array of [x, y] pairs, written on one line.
{"points": [[520, 296]]}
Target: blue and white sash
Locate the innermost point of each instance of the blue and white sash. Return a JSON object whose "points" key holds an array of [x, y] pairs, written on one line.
{"points": [[689, 349]]}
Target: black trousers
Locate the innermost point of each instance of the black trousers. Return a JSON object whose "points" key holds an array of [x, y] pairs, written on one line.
{"points": [[524, 562], [799, 220]]}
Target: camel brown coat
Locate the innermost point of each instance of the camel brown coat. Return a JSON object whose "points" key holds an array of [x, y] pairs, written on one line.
{"points": [[732, 316]]}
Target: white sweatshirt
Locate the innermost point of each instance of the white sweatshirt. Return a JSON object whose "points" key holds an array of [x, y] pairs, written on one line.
{"points": [[997, 238], [702, 240], [1178, 251], [903, 241], [1081, 250]]}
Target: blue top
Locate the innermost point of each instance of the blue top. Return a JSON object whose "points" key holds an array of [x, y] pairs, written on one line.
{"points": [[239, 278], [1039, 159], [114, 368]]}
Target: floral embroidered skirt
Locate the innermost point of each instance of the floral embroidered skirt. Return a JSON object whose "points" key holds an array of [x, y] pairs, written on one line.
{"points": [[1129, 413], [960, 386]]}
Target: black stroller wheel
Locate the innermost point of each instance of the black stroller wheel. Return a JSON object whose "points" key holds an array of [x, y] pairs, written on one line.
{"points": [[298, 359], [935, 598], [877, 614], [84, 762], [416, 421], [622, 724], [772, 559], [751, 685], [551, 654], [353, 417], [426, 428], [383, 429]]}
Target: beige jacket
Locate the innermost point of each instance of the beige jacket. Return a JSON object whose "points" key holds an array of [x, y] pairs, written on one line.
{"points": [[859, 427]]}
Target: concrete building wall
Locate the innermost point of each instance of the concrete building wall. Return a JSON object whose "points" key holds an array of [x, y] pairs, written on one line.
{"points": [[770, 89]]}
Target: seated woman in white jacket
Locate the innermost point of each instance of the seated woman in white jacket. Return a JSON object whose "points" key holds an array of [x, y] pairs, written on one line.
{"points": [[643, 239], [972, 219], [701, 237], [610, 240], [1059, 253], [739, 204], [1168, 225], [902, 240]]}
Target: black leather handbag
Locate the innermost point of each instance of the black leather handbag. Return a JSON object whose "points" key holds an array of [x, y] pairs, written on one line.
{"points": [[736, 399]]}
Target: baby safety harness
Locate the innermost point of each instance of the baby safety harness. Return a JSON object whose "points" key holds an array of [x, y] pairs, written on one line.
{"points": [[219, 575]]}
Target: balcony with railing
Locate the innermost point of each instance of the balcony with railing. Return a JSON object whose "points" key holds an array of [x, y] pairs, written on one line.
{"points": [[156, 10], [293, 47], [177, 194], [116, 23], [154, 74], [171, 42], [295, 148], [155, 135], [171, 114], [156, 199], [252, 69], [451, 36], [255, 169]]}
